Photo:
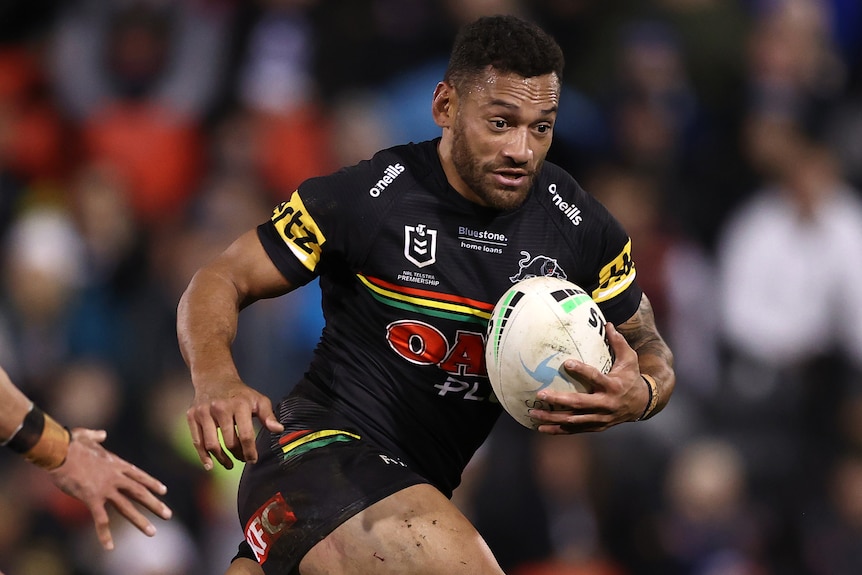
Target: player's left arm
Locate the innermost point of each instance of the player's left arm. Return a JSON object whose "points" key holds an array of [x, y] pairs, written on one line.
{"points": [[654, 356], [637, 387]]}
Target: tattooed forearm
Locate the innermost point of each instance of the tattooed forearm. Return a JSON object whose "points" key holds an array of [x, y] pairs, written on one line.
{"points": [[654, 355]]}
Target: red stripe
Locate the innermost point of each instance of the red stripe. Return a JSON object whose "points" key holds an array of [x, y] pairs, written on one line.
{"points": [[291, 436], [431, 295]]}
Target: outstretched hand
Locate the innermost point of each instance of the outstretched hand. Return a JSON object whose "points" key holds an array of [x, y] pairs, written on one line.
{"points": [[616, 397], [97, 477], [228, 407]]}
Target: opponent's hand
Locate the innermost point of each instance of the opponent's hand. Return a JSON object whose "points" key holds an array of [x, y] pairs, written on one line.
{"points": [[97, 476], [229, 407], [616, 397]]}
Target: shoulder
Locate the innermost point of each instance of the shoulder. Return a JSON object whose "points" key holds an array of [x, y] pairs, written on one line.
{"points": [[389, 170], [354, 202], [565, 200]]}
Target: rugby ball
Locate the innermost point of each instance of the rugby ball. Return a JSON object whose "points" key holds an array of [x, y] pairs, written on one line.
{"points": [[535, 326]]}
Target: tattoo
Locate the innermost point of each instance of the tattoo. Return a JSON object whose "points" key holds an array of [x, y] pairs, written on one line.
{"points": [[642, 334]]}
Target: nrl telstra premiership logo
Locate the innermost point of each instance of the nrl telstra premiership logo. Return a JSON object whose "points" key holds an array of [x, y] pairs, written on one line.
{"points": [[420, 245]]}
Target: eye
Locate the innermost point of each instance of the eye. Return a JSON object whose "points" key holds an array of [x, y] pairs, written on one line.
{"points": [[544, 128], [499, 124]]}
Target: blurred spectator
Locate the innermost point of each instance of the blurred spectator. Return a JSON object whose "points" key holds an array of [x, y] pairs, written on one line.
{"points": [[170, 53], [794, 69], [32, 132], [361, 44], [157, 152], [833, 529], [275, 75], [710, 525], [654, 117], [679, 276], [788, 293], [138, 77], [651, 70], [791, 305], [279, 99], [568, 483], [42, 278], [507, 509]]}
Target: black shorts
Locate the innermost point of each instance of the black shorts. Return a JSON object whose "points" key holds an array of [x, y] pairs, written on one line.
{"points": [[309, 480]]}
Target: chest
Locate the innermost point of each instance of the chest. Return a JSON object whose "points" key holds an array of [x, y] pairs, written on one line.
{"points": [[447, 253]]}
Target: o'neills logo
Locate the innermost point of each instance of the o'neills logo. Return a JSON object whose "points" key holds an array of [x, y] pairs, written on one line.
{"points": [[391, 172], [571, 211], [266, 526]]}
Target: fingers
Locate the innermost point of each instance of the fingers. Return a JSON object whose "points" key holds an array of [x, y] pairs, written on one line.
{"points": [[94, 435], [213, 445], [267, 416], [623, 352], [145, 493], [103, 526], [135, 485], [607, 404], [566, 421], [151, 483], [238, 434], [205, 435], [132, 514], [197, 441], [246, 436], [225, 426]]}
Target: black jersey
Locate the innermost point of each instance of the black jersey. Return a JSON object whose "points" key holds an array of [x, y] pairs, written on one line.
{"points": [[410, 272]]}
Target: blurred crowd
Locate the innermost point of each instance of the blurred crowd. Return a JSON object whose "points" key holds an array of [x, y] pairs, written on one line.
{"points": [[139, 137]]}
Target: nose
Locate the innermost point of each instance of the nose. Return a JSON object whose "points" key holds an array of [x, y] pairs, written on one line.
{"points": [[517, 147]]}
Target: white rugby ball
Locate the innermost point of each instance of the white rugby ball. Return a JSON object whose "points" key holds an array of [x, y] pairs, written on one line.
{"points": [[535, 326]]}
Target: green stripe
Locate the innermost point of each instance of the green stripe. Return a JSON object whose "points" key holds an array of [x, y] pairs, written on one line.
{"points": [[570, 304], [426, 311], [499, 323], [322, 442]]}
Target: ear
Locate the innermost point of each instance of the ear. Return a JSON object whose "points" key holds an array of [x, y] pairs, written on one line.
{"points": [[443, 104]]}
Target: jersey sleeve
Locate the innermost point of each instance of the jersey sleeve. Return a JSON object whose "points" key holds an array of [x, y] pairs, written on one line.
{"points": [[327, 221], [616, 290]]}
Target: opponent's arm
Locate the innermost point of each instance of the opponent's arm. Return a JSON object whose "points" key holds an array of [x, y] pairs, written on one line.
{"points": [[207, 318], [637, 387], [14, 406], [78, 464]]}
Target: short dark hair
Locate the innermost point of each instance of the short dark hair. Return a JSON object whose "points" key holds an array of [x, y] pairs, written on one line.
{"points": [[506, 43]]}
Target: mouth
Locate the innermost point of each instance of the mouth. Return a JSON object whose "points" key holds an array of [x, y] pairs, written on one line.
{"points": [[511, 178]]}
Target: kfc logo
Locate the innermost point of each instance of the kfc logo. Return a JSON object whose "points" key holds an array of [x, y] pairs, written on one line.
{"points": [[266, 526]]}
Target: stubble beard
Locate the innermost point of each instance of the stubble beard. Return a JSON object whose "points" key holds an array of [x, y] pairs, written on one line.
{"points": [[479, 178]]}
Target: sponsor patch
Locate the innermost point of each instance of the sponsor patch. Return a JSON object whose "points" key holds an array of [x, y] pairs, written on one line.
{"points": [[267, 524], [616, 276], [391, 172], [299, 231]]}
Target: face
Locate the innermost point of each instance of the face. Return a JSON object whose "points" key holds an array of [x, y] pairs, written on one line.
{"points": [[496, 135]]}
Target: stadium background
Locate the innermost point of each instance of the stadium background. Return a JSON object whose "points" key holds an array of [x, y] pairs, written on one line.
{"points": [[138, 138]]}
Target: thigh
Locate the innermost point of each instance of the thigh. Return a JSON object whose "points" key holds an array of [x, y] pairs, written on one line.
{"points": [[307, 482], [416, 530]]}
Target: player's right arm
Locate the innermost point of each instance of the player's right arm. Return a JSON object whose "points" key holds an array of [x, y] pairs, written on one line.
{"points": [[207, 318]]}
